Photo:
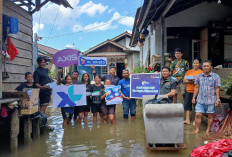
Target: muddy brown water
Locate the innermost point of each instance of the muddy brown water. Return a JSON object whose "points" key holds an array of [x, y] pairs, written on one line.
{"points": [[125, 138]]}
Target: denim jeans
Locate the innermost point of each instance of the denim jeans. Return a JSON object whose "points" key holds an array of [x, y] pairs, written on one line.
{"points": [[129, 106]]}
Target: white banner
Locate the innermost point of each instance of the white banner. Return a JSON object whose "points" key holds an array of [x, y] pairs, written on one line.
{"points": [[68, 96]]}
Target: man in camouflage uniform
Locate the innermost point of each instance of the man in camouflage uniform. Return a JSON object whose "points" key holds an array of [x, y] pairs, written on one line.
{"points": [[178, 68]]}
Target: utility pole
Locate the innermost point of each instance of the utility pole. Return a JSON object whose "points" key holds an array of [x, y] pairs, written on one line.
{"points": [[35, 50]]}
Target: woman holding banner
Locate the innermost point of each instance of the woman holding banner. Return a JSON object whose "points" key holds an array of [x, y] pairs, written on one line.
{"points": [[96, 99], [84, 110]]}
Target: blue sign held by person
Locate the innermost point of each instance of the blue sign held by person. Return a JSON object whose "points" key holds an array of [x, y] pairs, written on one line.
{"points": [[68, 96], [144, 84], [114, 96], [97, 61]]}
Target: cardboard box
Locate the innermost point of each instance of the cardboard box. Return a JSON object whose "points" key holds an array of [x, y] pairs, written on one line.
{"points": [[30, 104]]}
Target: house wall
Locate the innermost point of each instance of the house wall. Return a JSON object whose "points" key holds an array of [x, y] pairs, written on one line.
{"points": [[135, 48], [133, 61], [152, 45], [108, 48], [130, 62], [145, 51], [23, 42], [122, 42], [199, 15]]}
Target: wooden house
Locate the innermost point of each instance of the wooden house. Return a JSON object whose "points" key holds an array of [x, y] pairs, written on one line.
{"points": [[23, 40], [22, 10], [118, 53]]}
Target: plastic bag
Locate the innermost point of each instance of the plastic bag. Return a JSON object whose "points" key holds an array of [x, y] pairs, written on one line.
{"points": [[159, 100], [213, 149], [216, 123]]}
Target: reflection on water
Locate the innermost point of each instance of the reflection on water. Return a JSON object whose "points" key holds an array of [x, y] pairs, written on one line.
{"points": [[125, 138]]}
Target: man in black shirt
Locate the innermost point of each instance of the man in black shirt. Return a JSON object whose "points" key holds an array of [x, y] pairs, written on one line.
{"points": [[167, 84]]}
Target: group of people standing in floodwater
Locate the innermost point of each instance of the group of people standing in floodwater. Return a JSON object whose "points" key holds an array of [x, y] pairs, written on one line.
{"points": [[96, 99], [202, 90]]}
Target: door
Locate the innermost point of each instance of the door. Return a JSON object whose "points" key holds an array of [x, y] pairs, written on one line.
{"points": [[120, 68], [195, 49]]}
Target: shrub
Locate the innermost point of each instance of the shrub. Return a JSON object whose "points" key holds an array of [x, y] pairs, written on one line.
{"points": [[227, 85]]}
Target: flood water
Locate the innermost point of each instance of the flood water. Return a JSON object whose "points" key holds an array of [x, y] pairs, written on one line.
{"points": [[125, 138]]}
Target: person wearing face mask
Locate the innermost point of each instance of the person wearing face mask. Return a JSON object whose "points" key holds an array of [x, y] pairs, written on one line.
{"points": [[190, 88], [41, 78], [207, 92]]}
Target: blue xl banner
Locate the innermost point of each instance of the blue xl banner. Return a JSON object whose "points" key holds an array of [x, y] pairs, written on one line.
{"points": [[144, 84], [97, 61]]}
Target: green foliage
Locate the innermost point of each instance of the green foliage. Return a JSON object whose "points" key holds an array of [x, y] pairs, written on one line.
{"points": [[52, 74], [227, 85], [140, 69], [139, 102]]}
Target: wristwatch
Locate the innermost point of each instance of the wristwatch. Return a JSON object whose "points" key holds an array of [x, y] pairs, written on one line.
{"points": [[219, 100]]}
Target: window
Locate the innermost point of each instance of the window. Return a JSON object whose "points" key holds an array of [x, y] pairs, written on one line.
{"points": [[104, 70]]}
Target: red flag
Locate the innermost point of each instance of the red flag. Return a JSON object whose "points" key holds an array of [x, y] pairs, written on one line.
{"points": [[149, 68], [11, 49]]}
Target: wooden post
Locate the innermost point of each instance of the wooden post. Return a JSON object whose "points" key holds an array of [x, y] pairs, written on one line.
{"points": [[27, 129], [36, 128], [1, 3], [14, 130], [162, 41]]}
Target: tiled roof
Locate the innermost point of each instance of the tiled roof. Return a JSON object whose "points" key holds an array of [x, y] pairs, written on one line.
{"points": [[47, 49]]}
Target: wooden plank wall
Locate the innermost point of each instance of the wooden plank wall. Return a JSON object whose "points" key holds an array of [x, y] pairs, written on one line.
{"points": [[109, 48], [23, 42]]}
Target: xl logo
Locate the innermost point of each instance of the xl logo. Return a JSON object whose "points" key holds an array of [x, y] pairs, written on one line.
{"points": [[67, 58], [69, 98]]}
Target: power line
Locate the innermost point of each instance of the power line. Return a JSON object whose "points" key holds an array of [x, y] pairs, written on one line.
{"points": [[52, 26], [90, 28]]}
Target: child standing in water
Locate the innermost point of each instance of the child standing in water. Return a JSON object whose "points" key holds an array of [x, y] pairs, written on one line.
{"points": [[108, 111], [67, 112], [96, 100]]}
